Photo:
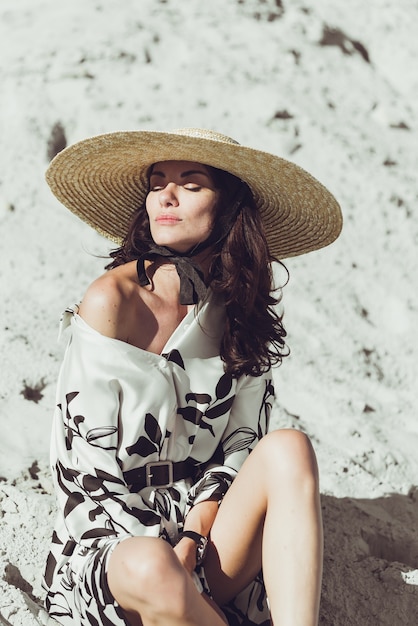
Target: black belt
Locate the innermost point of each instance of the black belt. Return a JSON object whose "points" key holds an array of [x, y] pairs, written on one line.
{"points": [[158, 474]]}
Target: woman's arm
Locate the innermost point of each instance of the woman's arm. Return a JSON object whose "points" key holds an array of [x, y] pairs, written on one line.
{"points": [[199, 519], [91, 489], [247, 424]]}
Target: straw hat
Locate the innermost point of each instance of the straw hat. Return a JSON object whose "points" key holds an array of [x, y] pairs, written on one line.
{"points": [[103, 180]]}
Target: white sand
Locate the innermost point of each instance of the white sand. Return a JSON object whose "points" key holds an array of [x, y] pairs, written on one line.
{"points": [[351, 310]]}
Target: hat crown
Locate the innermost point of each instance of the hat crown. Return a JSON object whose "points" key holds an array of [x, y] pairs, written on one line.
{"points": [[202, 133]]}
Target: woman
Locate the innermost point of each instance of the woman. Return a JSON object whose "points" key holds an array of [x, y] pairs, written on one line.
{"points": [[165, 518]]}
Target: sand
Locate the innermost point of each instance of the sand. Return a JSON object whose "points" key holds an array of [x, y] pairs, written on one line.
{"points": [[330, 85]]}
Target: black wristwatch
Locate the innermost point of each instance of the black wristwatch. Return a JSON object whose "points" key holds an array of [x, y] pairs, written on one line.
{"points": [[201, 544]]}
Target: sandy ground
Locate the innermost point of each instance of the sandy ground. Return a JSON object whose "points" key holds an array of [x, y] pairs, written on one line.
{"points": [[330, 85]]}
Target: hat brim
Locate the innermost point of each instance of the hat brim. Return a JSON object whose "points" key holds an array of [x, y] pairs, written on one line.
{"points": [[103, 180]]}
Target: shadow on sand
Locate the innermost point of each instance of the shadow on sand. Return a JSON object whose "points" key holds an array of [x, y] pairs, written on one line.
{"points": [[371, 561]]}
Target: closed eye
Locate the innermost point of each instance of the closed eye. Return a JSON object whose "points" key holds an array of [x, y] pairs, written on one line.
{"points": [[190, 179], [190, 186]]}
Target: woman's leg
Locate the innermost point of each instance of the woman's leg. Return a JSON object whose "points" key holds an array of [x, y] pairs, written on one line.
{"points": [[154, 589], [271, 518]]}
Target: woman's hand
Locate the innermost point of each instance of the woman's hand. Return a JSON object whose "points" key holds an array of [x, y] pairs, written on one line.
{"points": [[186, 553]]}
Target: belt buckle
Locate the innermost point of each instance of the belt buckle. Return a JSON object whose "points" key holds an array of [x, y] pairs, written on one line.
{"points": [[149, 474]]}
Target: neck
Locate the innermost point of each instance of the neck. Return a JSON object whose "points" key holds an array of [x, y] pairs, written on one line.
{"points": [[162, 274], [202, 259], [188, 281]]}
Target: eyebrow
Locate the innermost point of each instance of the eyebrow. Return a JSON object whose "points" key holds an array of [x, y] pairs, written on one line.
{"points": [[182, 175]]}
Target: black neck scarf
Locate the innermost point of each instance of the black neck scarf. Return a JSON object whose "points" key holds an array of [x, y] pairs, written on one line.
{"points": [[192, 283]]}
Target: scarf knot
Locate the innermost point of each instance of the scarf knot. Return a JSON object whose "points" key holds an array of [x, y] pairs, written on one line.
{"points": [[192, 284]]}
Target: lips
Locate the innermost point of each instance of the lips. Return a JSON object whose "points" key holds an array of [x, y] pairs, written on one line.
{"points": [[167, 219]]}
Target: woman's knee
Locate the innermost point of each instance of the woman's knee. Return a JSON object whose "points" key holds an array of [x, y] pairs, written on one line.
{"points": [[289, 452], [135, 564], [145, 575]]}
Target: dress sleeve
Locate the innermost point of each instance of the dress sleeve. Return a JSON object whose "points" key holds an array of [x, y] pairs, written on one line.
{"points": [[91, 491], [248, 422]]}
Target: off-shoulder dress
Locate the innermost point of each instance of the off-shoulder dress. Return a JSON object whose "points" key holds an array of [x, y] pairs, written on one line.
{"points": [[119, 408]]}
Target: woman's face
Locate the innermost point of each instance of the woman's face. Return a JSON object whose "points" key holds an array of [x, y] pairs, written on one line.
{"points": [[181, 204]]}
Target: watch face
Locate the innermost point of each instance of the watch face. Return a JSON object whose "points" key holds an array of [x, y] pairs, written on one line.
{"points": [[201, 549]]}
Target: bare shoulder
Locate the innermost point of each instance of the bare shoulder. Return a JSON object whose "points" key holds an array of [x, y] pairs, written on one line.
{"points": [[107, 303]]}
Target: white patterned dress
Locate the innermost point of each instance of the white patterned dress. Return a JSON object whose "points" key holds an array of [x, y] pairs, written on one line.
{"points": [[120, 407]]}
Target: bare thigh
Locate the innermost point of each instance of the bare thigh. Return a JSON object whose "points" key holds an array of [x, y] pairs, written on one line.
{"points": [[235, 553]]}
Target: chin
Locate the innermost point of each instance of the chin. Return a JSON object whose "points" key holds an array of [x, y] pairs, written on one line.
{"points": [[178, 246]]}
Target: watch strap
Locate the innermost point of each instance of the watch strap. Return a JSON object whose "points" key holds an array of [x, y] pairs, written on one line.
{"points": [[201, 543], [191, 534]]}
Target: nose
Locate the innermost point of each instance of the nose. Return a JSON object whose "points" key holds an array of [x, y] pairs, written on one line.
{"points": [[168, 196]]}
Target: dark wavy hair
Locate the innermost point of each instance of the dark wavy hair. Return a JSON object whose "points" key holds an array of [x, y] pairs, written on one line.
{"points": [[240, 273]]}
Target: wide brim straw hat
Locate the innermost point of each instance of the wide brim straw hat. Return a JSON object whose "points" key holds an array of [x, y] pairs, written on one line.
{"points": [[103, 180]]}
